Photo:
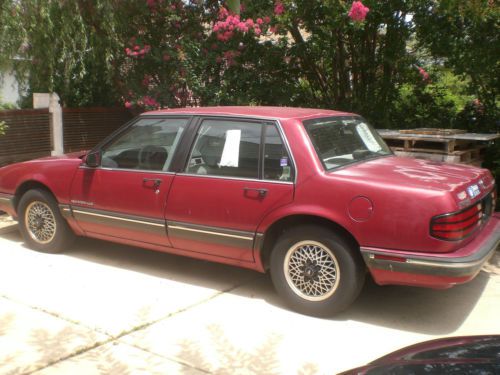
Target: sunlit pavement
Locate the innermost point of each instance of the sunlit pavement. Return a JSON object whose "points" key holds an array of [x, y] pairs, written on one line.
{"points": [[113, 309]]}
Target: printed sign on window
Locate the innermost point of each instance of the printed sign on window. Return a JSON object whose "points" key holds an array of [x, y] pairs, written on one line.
{"points": [[231, 153], [368, 138]]}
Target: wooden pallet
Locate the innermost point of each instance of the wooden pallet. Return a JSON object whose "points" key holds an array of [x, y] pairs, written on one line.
{"points": [[445, 145], [470, 156], [448, 145], [433, 131]]}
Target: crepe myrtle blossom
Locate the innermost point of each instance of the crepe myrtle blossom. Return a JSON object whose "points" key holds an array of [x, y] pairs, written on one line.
{"points": [[425, 76], [150, 102], [228, 24], [146, 80], [137, 51], [279, 8], [358, 11]]}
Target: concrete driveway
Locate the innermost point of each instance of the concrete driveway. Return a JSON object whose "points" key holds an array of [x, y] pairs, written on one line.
{"points": [[102, 308]]}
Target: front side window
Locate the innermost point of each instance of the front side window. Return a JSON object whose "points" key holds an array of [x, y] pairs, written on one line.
{"points": [[149, 144], [226, 148], [340, 141]]}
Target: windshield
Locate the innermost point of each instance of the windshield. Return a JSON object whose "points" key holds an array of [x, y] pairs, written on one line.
{"points": [[344, 140]]}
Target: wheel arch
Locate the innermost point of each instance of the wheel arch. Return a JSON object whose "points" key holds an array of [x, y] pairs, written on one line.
{"points": [[29, 185], [280, 226]]}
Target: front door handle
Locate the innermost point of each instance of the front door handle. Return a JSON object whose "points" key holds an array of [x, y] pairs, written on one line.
{"points": [[262, 192], [156, 182]]}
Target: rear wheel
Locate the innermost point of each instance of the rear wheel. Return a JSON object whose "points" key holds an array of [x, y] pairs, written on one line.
{"points": [[41, 223], [316, 270]]}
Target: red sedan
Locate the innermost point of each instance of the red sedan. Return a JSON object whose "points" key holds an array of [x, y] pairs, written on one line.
{"points": [[314, 196]]}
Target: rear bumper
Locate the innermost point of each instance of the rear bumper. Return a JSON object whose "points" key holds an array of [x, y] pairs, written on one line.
{"points": [[434, 270]]}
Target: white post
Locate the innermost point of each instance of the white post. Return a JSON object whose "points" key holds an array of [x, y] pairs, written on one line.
{"points": [[56, 125], [51, 101]]}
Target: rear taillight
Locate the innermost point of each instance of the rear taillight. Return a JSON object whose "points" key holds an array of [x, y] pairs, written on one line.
{"points": [[458, 225]]}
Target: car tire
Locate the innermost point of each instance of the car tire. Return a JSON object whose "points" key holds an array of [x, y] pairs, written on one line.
{"points": [[317, 271], [41, 223]]}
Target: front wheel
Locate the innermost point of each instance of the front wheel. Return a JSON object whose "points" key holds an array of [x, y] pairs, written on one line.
{"points": [[316, 271], [41, 223]]}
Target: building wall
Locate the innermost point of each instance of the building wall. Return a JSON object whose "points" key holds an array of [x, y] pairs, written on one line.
{"points": [[8, 87]]}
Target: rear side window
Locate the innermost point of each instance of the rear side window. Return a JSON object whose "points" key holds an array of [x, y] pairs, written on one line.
{"points": [[226, 148], [277, 163]]}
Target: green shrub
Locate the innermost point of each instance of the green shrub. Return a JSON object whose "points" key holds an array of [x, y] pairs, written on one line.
{"points": [[3, 127]]}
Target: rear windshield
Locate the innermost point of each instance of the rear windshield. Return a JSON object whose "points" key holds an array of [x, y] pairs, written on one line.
{"points": [[341, 141]]}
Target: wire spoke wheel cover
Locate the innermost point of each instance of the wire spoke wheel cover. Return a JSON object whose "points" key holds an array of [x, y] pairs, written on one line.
{"points": [[40, 222], [311, 270]]}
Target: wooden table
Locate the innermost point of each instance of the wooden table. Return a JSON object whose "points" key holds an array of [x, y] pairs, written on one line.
{"points": [[467, 148]]}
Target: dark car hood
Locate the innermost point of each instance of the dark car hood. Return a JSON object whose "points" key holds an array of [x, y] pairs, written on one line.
{"points": [[455, 355], [418, 173]]}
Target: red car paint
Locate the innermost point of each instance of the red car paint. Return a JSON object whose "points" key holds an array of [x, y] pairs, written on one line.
{"points": [[386, 204]]}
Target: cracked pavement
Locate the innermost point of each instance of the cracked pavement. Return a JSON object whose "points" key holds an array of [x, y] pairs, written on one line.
{"points": [[103, 308]]}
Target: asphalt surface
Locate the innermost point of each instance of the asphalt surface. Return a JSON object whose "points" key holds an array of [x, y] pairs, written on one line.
{"points": [[102, 308]]}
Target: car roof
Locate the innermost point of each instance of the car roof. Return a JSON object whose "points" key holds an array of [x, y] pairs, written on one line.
{"points": [[279, 113]]}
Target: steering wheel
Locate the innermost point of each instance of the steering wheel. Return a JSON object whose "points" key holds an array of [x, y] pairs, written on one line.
{"points": [[152, 157]]}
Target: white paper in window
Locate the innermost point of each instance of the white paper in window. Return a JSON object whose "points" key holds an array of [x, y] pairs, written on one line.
{"points": [[231, 153], [368, 138]]}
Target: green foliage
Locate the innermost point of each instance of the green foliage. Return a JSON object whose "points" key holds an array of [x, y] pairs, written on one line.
{"points": [[68, 47], [166, 53], [234, 6], [464, 35], [310, 53], [432, 104], [4, 106]]}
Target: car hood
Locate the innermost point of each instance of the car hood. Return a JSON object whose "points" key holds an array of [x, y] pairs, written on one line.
{"points": [[71, 155], [452, 355], [419, 173]]}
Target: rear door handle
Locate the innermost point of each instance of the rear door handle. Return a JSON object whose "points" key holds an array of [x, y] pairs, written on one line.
{"points": [[262, 192]]}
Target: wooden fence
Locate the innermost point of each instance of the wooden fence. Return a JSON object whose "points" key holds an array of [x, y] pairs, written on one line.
{"points": [[28, 135], [83, 128]]}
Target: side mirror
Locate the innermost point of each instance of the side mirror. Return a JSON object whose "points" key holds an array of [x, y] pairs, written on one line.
{"points": [[93, 159]]}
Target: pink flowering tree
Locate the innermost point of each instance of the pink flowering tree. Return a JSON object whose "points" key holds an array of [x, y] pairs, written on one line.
{"points": [[370, 56], [180, 53], [423, 74], [159, 38], [242, 60], [358, 11]]}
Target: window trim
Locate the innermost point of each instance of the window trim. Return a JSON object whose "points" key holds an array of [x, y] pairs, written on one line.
{"points": [[215, 118], [308, 122], [236, 178], [125, 127], [285, 145], [186, 143], [195, 126]]}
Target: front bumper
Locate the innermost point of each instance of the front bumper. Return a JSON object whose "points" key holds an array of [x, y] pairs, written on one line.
{"points": [[434, 270]]}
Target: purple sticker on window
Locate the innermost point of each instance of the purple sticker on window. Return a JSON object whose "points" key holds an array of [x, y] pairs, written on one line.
{"points": [[283, 162]]}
